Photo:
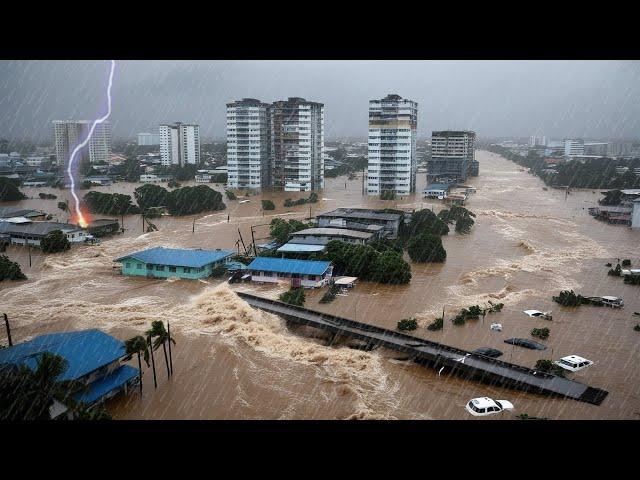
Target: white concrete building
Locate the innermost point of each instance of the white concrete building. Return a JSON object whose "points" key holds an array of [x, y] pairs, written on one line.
{"points": [[146, 139], [249, 144], [573, 147], [298, 145], [69, 133], [180, 144], [392, 166]]}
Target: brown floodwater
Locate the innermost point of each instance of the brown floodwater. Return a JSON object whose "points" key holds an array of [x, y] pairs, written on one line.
{"points": [[234, 362]]}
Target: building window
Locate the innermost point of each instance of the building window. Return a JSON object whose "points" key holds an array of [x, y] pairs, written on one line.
{"points": [[139, 266], [172, 269], [149, 266], [160, 268], [127, 265], [186, 269]]}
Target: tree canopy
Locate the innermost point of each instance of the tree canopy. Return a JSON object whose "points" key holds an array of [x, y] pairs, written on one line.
{"points": [[149, 195], [424, 221], [10, 270], [426, 248], [9, 190], [54, 242], [281, 229], [110, 203], [190, 200]]}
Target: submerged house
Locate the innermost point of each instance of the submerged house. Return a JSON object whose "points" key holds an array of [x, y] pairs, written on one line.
{"points": [[161, 262], [93, 358], [384, 222], [301, 273], [31, 233]]}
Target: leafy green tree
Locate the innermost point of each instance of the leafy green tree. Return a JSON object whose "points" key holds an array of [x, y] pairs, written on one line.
{"points": [[191, 200], [10, 270], [542, 333], [230, 195], [9, 191], [110, 203], [54, 242], [426, 248], [150, 195], [268, 205], [313, 198], [64, 206], [131, 170], [186, 172], [425, 221], [390, 267], [330, 295], [388, 195], [281, 229], [295, 296], [437, 324], [547, 366]]}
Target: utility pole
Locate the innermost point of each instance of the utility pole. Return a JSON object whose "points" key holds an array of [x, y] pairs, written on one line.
{"points": [[29, 245], [6, 324], [193, 229]]}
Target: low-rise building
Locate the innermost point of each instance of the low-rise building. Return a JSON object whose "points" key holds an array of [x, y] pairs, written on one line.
{"points": [[33, 232], [300, 273], [362, 219], [436, 190], [635, 215], [161, 262], [103, 226], [11, 212], [323, 235], [92, 357], [153, 178]]}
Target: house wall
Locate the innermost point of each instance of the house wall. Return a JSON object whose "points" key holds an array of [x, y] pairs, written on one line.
{"points": [[136, 268], [324, 239], [75, 237], [305, 280]]}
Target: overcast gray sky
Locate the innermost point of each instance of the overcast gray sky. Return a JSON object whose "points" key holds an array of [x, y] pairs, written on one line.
{"points": [[593, 99]]}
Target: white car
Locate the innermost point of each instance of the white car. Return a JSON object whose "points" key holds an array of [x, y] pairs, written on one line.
{"points": [[496, 326], [538, 313], [482, 406], [573, 363], [614, 302]]}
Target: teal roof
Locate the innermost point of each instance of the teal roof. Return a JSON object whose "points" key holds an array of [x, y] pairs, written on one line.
{"points": [[178, 257], [285, 265]]}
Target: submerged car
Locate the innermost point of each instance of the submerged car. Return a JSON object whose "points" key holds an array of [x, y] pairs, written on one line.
{"points": [[526, 343], [614, 302], [496, 327], [573, 363], [482, 406], [538, 313], [488, 352]]}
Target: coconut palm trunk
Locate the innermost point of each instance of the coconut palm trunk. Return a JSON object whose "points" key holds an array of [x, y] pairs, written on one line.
{"points": [[166, 359], [170, 357], [140, 372], [153, 364]]}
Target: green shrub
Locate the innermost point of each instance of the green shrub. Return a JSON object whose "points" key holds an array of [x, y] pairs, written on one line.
{"points": [[388, 195], [313, 198], [10, 270], [626, 263], [190, 200], [637, 327], [542, 333], [47, 196], [632, 279], [548, 366], [437, 324], [9, 190], [495, 307], [230, 195], [268, 205], [295, 296], [330, 294], [617, 272], [407, 324]]}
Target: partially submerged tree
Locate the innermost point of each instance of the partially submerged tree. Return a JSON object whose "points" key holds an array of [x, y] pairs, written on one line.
{"points": [[54, 242], [407, 324], [426, 248], [295, 296], [10, 270]]}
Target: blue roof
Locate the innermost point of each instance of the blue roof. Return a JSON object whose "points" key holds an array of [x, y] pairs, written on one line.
{"points": [[301, 248], [107, 384], [285, 265], [85, 351], [178, 257]]}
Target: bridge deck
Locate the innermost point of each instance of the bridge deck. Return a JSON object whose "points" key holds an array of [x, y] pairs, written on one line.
{"points": [[468, 364]]}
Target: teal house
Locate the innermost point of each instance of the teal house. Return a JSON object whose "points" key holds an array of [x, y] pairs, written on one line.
{"points": [[161, 262]]}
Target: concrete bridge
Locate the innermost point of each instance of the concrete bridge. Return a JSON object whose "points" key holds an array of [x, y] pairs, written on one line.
{"points": [[461, 362]]}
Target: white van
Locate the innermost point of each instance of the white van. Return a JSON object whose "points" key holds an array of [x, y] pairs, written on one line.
{"points": [[573, 363], [614, 302]]}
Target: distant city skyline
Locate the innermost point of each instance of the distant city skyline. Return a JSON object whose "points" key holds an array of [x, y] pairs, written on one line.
{"points": [[556, 99]]}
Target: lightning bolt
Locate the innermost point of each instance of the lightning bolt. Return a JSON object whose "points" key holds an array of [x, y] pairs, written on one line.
{"points": [[81, 220]]}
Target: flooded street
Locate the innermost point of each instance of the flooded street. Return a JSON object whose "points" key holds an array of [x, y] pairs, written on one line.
{"points": [[233, 362]]}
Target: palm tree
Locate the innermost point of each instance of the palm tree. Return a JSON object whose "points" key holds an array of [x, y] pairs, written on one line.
{"points": [[161, 338], [137, 345], [27, 394]]}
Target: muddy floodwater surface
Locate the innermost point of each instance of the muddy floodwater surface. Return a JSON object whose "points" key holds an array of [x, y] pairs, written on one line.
{"points": [[234, 362]]}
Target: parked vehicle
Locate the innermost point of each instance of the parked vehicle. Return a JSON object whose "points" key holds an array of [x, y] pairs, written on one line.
{"points": [[573, 363], [483, 406], [526, 343], [496, 326], [488, 352]]}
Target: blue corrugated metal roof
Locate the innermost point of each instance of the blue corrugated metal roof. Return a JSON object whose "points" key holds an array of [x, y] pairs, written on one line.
{"points": [[85, 351], [178, 257], [285, 265], [301, 248], [107, 384]]}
